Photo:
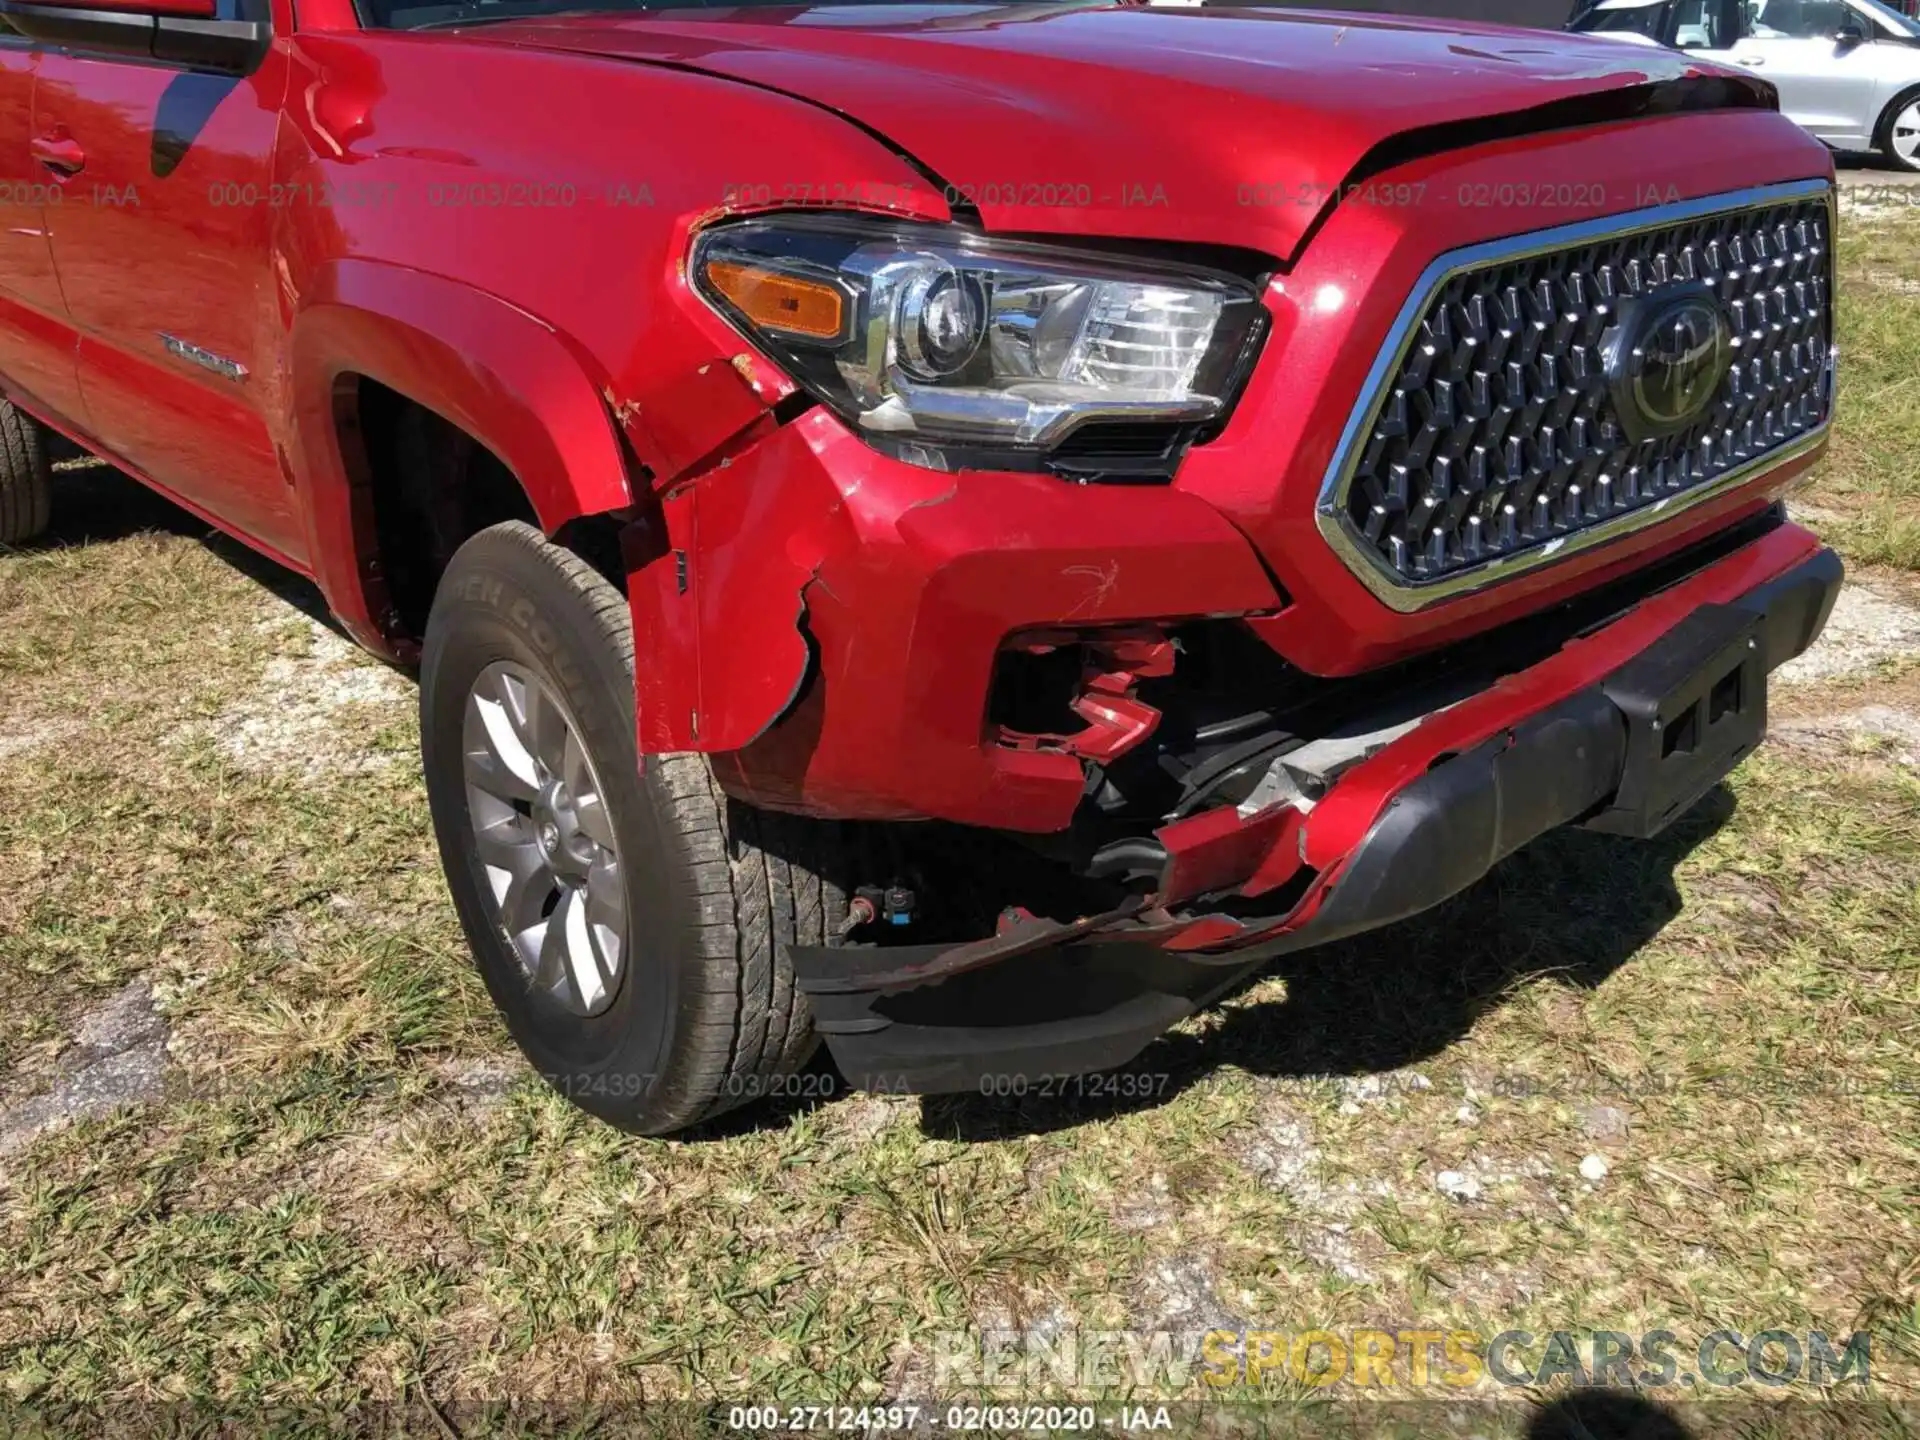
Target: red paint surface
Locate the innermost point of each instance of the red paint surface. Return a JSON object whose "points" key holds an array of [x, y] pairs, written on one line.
{"points": [[191, 9], [1220, 126], [917, 576], [494, 223]]}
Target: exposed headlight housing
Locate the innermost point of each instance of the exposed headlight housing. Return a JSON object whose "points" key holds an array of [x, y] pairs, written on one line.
{"points": [[949, 349]]}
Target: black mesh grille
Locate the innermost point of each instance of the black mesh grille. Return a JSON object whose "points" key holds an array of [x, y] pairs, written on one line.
{"points": [[1499, 433]]}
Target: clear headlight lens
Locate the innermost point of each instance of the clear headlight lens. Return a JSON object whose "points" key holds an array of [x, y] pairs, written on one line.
{"points": [[964, 349]]}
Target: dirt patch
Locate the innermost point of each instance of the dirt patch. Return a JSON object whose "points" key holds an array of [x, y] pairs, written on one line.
{"points": [[1478, 1175], [1604, 1122], [1859, 716], [1179, 1294], [1148, 1209], [1893, 283], [1894, 733], [23, 737], [1880, 210], [488, 1076], [119, 1057], [1865, 629], [1284, 1152], [863, 1117], [476, 1087], [315, 714]]}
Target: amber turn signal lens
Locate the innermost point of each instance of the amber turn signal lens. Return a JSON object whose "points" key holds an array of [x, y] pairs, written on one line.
{"points": [[786, 303]]}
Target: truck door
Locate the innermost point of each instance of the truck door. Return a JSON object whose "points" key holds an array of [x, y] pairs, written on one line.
{"points": [[165, 259], [36, 339]]}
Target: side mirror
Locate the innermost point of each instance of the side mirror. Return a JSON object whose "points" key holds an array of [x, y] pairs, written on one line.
{"points": [[196, 34], [1850, 34]]}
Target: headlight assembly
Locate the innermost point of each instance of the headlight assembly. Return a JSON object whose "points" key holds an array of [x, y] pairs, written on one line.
{"points": [[948, 348]]}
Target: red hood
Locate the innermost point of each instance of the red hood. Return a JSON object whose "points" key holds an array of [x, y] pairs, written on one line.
{"points": [[1223, 125]]}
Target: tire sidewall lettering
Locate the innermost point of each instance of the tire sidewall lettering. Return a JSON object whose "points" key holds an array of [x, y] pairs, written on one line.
{"points": [[522, 612]]}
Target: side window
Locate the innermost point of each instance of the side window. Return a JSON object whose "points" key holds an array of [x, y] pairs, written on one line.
{"points": [[1636, 19], [1795, 19], [1704, 25]]}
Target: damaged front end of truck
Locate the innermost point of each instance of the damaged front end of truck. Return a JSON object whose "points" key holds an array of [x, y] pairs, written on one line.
{"points": [[1126, 714]]}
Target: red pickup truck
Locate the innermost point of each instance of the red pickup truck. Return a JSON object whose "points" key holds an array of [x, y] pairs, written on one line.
{"points": [[958, 529]]}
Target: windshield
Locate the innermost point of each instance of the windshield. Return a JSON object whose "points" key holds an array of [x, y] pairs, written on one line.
{"points": [[403, 15]]}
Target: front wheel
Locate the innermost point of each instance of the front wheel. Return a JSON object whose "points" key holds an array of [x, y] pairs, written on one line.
{"points": [[1899, 138], [630, 921]]}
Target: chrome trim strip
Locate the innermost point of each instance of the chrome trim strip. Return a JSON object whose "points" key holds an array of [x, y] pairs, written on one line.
{"points": [[1406, 596]]}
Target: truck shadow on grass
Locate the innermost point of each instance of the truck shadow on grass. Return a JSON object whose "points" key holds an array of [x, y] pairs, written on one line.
{"points": [[94, 504], [1606, 1415], [1572, 908]]}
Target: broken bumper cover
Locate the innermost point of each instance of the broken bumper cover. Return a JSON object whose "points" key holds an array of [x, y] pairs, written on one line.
{"points": [[1585, 736]]}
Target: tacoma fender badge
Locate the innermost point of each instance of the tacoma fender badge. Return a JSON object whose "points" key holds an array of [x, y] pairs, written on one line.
{"points": [[205, 359]]}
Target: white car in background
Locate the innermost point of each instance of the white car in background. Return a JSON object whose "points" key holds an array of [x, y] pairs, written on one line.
{"points": [[1848, 70]]}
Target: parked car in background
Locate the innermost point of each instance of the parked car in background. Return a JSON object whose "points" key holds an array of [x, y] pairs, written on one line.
{"points": [[1848, 70]]}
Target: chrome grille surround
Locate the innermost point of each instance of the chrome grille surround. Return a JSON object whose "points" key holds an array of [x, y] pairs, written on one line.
{"points": [[1485, 443]]}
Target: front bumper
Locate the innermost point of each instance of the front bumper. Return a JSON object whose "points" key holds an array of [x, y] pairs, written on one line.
{"points": [[1415, 823]]}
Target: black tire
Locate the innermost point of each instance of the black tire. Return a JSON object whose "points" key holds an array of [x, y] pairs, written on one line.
{"points": [[25, 477], [705, 1014], [1883, 131]]}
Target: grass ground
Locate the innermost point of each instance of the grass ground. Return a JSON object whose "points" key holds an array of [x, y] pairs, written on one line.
{"points": [[1616, 1087]]}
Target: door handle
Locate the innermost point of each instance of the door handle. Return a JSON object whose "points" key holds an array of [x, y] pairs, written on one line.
{"points": [[1751, 61], [62, 156]]}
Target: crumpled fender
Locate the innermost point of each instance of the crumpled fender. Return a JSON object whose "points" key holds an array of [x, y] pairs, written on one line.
{"points": [[718, 581], [827, 619], [497, 372]]}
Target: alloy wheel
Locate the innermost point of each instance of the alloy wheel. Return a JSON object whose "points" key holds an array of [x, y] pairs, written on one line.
{"points": [[1905, 134], [545, 840]]}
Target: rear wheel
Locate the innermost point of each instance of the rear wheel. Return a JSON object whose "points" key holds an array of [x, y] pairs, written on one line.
{"points": [[1899, 137], [25, 477], [631, 922]]}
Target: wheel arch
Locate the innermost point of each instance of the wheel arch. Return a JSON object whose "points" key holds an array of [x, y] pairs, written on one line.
{"points": [[1902, 98], [494, 373]]}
